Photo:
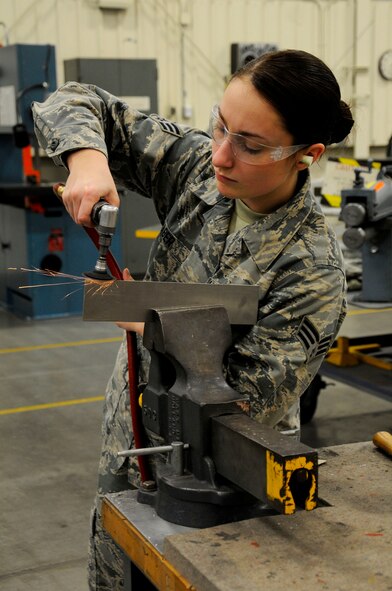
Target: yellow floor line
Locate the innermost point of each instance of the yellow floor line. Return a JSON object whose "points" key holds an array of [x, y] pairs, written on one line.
{"points": [[59, 345], [11, 411], [368, 311]]}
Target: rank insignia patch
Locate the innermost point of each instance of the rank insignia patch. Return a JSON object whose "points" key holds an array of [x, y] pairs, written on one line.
{"points": [[167, 126], [310, 339]]}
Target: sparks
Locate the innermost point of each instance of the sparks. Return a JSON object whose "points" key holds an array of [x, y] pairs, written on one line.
{"points": [[72, 279], [99, 287]]}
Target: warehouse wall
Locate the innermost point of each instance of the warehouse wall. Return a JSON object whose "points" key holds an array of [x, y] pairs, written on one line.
{"points": [[191, 41]]}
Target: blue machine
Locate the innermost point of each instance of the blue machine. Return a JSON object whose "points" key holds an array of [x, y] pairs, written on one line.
{"points": [[35, 230], [52, 241], [27, 74]]}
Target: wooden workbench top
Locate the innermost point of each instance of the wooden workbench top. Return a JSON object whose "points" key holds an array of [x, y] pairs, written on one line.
{"points": [[346, 546], [342, 547]]}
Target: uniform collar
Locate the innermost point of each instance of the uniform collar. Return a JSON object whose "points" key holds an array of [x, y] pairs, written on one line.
{"points": [[278, 228], [267, 237]]}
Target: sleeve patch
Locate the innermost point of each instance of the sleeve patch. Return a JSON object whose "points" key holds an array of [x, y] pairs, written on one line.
{"points": [[310, 339], [167, 126]]}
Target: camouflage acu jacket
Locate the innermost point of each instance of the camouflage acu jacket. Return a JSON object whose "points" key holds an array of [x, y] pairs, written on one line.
{"points": [[291, 254]]}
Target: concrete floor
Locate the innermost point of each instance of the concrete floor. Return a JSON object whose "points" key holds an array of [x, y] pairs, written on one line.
{"points": [[49, 455]]}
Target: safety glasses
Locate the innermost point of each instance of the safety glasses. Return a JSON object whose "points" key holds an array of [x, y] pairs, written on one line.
{"points": [[246, 149]]}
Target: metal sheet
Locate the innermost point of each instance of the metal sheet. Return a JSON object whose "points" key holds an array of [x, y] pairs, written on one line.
{"points": [[132, 301]]}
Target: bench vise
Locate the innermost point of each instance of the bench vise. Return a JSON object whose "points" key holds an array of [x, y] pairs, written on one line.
{"points": [[212, 463]]}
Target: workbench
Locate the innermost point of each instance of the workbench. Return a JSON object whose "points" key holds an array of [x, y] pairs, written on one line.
{"points": [[344, 545]]}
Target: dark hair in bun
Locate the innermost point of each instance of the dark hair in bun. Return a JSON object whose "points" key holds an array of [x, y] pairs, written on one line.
{"points": [[305, 92]]}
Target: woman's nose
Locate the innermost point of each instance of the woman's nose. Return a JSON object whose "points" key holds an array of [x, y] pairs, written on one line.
{"points": [[222, 154]]}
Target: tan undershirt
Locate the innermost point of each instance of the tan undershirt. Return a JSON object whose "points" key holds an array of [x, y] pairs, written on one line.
{"points": [[243, 216]]}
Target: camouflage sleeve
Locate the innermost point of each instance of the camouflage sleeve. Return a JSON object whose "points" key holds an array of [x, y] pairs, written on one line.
{"points": [[275, 361], [147, 154]]}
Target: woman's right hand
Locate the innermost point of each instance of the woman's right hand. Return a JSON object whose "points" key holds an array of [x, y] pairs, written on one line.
{"points": [[89, 180]]}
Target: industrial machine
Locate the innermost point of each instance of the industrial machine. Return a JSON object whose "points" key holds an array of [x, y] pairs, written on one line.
{"points": [[212, 462], [366, 210], [242, 53], [36, 233], [27, 74]]}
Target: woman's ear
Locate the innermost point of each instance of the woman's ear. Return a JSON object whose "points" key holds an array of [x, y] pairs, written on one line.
{"points": [[313, 153]]}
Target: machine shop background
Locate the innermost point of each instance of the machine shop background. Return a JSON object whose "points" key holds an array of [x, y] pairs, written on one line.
{"points": [[173, 57], [191, 42]]}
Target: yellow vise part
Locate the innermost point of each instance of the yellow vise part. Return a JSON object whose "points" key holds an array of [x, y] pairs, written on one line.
{"points": [[278, 476]]}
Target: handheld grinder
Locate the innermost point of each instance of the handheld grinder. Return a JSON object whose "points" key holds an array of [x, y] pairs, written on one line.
{"points": [[104, 217]]}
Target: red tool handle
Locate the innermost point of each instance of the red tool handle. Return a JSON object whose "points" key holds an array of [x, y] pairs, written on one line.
{"points": [[136, 415]]}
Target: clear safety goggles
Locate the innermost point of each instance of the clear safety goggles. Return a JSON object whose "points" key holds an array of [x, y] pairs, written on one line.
{"points": [[246, 149]]}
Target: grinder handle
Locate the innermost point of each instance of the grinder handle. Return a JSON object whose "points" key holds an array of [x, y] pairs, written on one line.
{"points": [[383, 440]]}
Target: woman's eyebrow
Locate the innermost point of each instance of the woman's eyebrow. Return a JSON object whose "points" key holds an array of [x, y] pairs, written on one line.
{"points": [[244, 133]]}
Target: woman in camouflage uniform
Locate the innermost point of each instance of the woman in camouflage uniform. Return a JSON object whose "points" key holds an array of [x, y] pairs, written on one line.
{"points": [[237, 209]]}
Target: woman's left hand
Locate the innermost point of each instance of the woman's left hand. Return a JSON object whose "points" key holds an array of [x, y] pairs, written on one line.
{"points": [[137, 327]]}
